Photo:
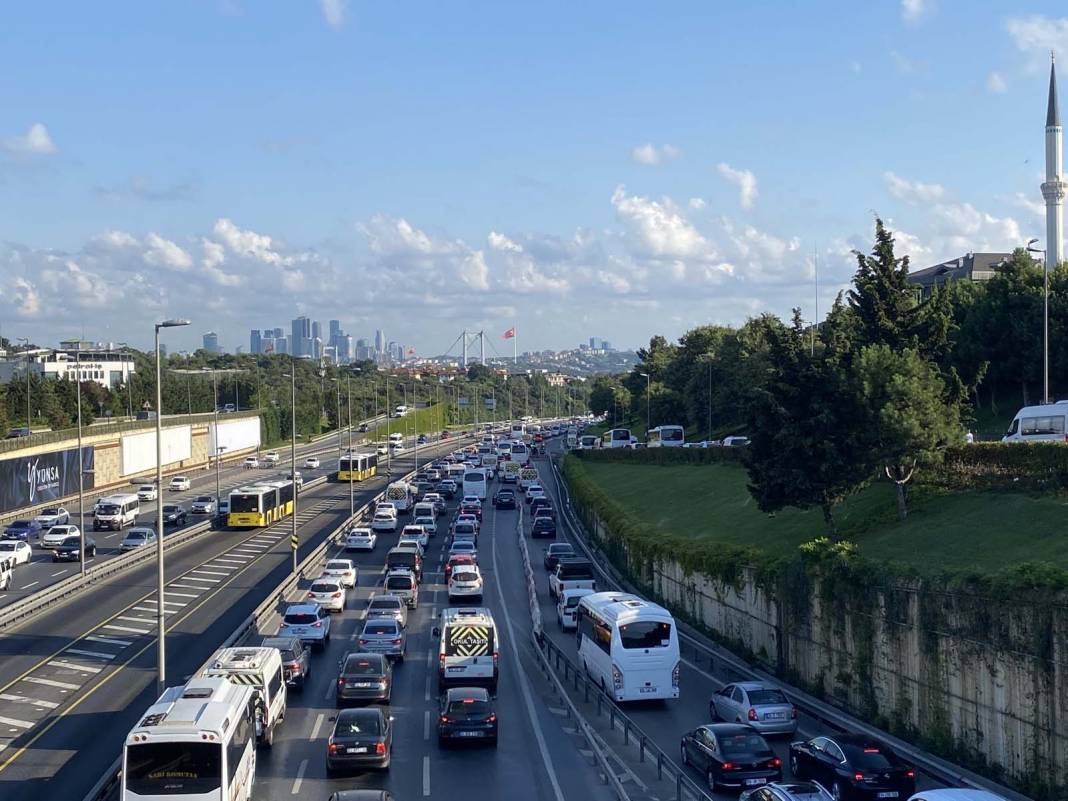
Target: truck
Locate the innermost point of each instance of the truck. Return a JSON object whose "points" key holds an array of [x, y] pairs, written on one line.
{"points": [[573, 573]]}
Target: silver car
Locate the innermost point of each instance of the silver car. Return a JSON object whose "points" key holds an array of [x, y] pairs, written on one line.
{"points": [[762, 706], [309, 621], [388, 605], [138, 537], [383, 635]]}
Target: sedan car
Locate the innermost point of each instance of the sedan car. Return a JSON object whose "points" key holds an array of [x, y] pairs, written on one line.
{"points": [[790, 791], [465, 583], [311, 463], [467, 714], [136, 537], [70, 550], [203, 505], [456, 560], [22, 530], [147, 492], [328, 593], [555, 552], [383, 521], [55, 535], [763, 706], [309, 621], [382, 635], [730, 755], [853, 766], [296, 659], [387, 605], [363, 677], [179, 483], [448, 488], [504, 499], [428, 524], [343, 570], [534, 491], [251, 462], [271, 457], [417, 533], [362, 738], [174, 515], [19, 553], [543, 527], [52, 516], [360, 539]]}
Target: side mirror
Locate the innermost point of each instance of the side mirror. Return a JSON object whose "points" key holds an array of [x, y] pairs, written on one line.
{"points": [[332, 720]]}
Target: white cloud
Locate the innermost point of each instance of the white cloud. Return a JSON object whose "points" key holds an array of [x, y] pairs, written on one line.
{"points": [[246, 243], [334, 12], [502, 242], [662, 231], [912, 191], [1033, 205], [995, 83], [35, 142], [164, 253], [651, 155], [1035, 36], [697, 203], [26, 301], [914, 10], [744, 180]]}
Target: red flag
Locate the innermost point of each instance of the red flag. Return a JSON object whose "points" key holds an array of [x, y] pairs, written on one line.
{"points": [[269, 348], [510, 333], [411, 351]]}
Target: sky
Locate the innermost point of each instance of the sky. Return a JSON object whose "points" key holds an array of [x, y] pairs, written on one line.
{"points": [[613, 169]]}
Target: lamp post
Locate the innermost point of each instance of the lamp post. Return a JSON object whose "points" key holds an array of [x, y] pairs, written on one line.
{"points": [[81, 465], [29, 423], [1045, 319], [293, 541], [389, 448], [161, 658], [648, 396], [124, 349], [710, 399]]}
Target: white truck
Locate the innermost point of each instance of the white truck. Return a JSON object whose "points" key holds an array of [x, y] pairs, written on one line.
{"points": [[571, 574]]}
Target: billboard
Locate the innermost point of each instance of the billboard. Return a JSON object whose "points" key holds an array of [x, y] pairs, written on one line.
{"points": [[463, 401], [236, 435], [139, 450], [43, 477], [491, 403]]}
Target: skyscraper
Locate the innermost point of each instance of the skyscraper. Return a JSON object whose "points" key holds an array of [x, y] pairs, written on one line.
{"points": [[281, 344], [335, 331], [317, 330], [301, 337], [380, 341], [211, 342], [278, 333], [255, 341]]}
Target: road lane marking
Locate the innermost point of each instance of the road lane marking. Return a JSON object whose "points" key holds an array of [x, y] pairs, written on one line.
{"points": [[63, 685], [202, 572], [169, 591], [315, 729], [22, 699], [135, 619], [219, 562], [99, 654], [205, 580], [117, 627], [426, 724], [59, 663], [34, 584], [300, 776], [18, 724], [184, 587], [109, 640], [60, 573]]}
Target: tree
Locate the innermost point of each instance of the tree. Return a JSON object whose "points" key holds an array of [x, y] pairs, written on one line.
{"points": [[602, 394], [881, 298], [911, 417]]}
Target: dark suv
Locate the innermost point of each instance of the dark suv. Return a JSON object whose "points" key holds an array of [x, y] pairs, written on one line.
{"points": [[543, 527], [174, 515], [296, 659]]}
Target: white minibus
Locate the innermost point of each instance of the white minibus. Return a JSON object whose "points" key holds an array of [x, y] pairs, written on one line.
{"points": [[666, 437], [475, 483], [1039, 424], [116, 512], [616, 438], [400, 494], [629, 646]]}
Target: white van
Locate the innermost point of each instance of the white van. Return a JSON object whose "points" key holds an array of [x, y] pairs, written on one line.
{"points": [[1039, 424], [260, 668], [517, 432], [116, 511], [399, 493], [467, 648], [396, 438], [475, 482]]}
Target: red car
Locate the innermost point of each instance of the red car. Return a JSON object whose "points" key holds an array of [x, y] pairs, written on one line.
{"points": [[445, 434], [458, 559]]}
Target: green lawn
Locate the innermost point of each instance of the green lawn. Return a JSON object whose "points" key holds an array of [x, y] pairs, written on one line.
{"points": [[963, 531]]}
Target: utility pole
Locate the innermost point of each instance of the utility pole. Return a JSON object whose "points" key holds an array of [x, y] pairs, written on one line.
{"points": [[294, 542]]}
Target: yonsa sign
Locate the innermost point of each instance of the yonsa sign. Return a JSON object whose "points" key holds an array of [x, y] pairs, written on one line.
{"points": [[43, 477]]}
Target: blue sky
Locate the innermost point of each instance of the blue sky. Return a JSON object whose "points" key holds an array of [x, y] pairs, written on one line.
{"points": [[613, 169]]}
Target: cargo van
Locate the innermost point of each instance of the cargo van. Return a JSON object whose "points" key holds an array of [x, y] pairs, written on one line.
{"points": [[527, 476], [116, 511], [400, 494], [260, 668], [1039, 424], [404, 559], [467, 650], [511, 472]]}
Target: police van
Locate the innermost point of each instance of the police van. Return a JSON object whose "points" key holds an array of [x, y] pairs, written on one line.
{"points": [[467, 648], [261, 669]]}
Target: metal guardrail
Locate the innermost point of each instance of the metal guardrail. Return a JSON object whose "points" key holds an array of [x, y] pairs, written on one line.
{"points": [[935, 767]]}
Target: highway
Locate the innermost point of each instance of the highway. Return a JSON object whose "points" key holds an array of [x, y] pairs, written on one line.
{"points": [[74, 679]]}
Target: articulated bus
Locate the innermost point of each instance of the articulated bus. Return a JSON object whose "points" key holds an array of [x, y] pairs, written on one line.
{"points": [[357, 467], [666, 437], [260, 504], [196, 742]]}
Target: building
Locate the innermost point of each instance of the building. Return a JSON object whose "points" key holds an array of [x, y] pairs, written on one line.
{"points": [[211, 342], [969, 267], [606, 345], [344, 348], [301, 338], [255, 341], [316, 334], [92, 361], [277, 333], [595, 343], [380, 341], [334, 331], [281, 344], [268, 345]]}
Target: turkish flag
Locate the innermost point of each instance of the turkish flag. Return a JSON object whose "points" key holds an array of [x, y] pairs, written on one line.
{"points": [[411, 351], [510, 333]]}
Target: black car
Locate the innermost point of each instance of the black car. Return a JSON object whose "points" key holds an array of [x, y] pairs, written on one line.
{"points": [[363, 677], [296, 659], [555, 552], [543, 527], [853, 766], [70, 549], [504, 499], [174, 514], [731, 755], [362, 738], [361, 795], [538, 503], [467, 714], [543, 511], [472, 509]]}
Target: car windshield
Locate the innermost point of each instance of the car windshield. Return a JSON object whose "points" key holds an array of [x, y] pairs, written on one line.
{"points": [[399, 583], [465, 575], [135, 535], [766, 695], [106, 509], [469, 706], [464, 528], [352, 725], [870, 758], [300, 618], [380, 628], [363, 666], [744, 744], [169, 509], [50, 511], [338, 566], [204, 499], [645, 634], [385, 604], [322, 587]]}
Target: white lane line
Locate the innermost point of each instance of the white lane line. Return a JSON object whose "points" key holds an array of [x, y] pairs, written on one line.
{"points": [[109, 640], [223, 562], [426, 776], [33, 584], [329, 692], [426, 689], [98, 654], [73, 666], [169, 591], [60, 573], [184, 587], [300, 776], [22, 699], [208, 580], [151, 609], [18, 724], [209, 573], [117, 627], [62, 685], [426, 724], [315, 729], [135, 619], [523, 683], [250, 551]]}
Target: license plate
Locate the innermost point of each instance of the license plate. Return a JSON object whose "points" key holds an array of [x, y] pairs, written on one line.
{"points": [[647, 689], [755, 782], [456, 670], [468, 734], [775, 716], [890, 794], [361, 750], [363, 684]]}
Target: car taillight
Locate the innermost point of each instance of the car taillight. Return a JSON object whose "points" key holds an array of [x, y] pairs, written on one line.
{"points": [[396, 641], [776, 763], [293, 666], [793, 712], [282, 625], [444, 719], [441, 662], [310, 594], [858, 777], [336, 595], [496, 656], [752, 714], [617, 678], [380, 748], [728, 766], [492, 719], [911, 774], [332, 748], [340, 682], [318, 624], [674, 673]]}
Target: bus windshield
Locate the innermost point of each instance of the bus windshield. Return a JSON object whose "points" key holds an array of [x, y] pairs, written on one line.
{"points": [[645, 634], [244, 503], [173, 768], [671, 434], [620, 434]]}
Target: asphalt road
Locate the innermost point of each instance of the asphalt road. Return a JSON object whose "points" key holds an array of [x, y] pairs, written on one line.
{"points": [[74, 680], [536, 759]]}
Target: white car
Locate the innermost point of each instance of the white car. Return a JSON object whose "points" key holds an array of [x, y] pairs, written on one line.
{"points": [[342, 570], [179, 483], [311, 463], [396, 447], [735, 442], [381, 449], [463, 546], [471, 500], [567, 608], [429, 524], [296, 478], [147, 492], [329, 593], [417, 533], [55, 535], [16, 550], [409, 544], [465, 582], [251, 461], [360, 539], [271, 457], [384, 521], [387, 507], [53, 516]]}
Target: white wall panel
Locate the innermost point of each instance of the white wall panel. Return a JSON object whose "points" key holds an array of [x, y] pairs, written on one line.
{"points": [[139, 450], [235, 435]]}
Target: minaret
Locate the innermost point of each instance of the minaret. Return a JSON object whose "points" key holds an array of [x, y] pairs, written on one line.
{"points": [[1054, 188]]}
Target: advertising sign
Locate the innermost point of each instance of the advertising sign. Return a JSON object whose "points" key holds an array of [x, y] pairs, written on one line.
{"points": [[43, 477], [491, 403], [463, 401]]}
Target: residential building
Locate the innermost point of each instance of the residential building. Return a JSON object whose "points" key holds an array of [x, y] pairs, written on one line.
{"points": [[211, 342], [969, 267], [91, 361]]}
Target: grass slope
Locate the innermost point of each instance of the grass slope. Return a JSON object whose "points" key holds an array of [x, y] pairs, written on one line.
{"points": [[960, 532]]}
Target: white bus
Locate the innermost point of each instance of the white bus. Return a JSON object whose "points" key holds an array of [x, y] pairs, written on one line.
{"points": [[629, 646], [666, 437], [196, 742], [517, 432], [520, 452], [475, 482], [587, 442], [616, 438]]}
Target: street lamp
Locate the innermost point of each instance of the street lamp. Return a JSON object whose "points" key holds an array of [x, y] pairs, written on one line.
{"points": [[1045, 319], [648, 416], [293, 541], [161, 658]]}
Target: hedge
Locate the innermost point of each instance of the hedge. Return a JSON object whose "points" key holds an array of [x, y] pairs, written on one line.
{"points": [[664, 456]]}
